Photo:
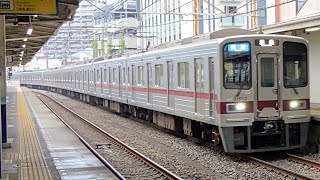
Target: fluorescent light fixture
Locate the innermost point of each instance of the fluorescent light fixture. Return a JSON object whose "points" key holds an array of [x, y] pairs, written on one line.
{"points": [[20, 59], [22, 52], [25, 39], [312, 29], [24, 46], [29, 32], [35, 15], [21, 55]]}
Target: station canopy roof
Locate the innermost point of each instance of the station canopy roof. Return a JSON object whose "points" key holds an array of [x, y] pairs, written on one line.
{"points": [[43, 27]]}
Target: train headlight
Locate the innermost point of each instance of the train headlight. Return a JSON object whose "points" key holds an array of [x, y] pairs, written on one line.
{"points": [[236, 107], [240, 106], [297, 105]]}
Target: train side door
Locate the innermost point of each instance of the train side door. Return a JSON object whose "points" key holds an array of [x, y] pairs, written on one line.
{"points": [[170, 81], [268, 87], [133, 76], [212, 96], [120, 81], [95, 74], [199, 87], [109, 82], [149, 81], [101, 80]]}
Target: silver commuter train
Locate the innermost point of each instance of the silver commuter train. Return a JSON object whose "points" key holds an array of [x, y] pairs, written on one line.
{"points": [[249, 92]]}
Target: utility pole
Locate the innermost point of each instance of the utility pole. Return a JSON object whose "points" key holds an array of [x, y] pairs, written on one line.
{"points": [[196, 17]]}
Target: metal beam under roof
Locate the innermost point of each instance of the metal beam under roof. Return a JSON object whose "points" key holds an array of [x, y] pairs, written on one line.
{"points": [[44, 27]]}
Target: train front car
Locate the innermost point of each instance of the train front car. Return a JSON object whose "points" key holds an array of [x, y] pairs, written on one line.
{"points": [[264, 102]]}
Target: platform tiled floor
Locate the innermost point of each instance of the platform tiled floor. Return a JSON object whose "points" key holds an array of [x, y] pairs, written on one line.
{"points": [[42, 146]]}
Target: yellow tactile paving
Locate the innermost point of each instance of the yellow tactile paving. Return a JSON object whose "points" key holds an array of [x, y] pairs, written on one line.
{"points": [[32, 163]]}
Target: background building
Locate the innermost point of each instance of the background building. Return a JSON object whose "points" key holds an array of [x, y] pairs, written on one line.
{"points": [[300, 18], [73, 36], [169, 20], [118, 24]]}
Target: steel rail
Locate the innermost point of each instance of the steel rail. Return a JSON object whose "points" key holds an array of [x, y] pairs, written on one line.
{"points": [[153, 164], [105, 162], [303, 160], [278, 168]]}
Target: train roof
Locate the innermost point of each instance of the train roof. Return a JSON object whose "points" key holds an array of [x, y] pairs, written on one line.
{"points": [[209, 38]]}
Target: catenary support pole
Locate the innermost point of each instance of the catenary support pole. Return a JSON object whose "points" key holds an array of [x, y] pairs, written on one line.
{"points": [[3, 87]]}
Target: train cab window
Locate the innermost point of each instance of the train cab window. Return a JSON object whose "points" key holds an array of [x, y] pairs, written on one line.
{"points": [[159, 75], [183, 75], [140, 76], [295, 65], [237, 65]]}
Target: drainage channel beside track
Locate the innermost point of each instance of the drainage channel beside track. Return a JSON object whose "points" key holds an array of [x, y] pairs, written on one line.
{"points": [[122, 160]]}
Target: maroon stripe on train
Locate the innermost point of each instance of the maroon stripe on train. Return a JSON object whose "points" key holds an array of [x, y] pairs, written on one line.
{"points": [[221, 107], [267, 103], [203, 95], [286, 104]]}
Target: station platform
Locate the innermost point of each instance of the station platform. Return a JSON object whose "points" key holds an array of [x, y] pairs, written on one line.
{"points": [[315, 112], [43, 148]]}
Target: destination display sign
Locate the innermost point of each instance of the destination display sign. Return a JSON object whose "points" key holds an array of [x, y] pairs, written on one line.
{"points": [[28, 7]]}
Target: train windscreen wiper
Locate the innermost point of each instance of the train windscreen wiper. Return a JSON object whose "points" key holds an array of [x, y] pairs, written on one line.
{"points": [[244, 82], [295, 90], [240, 89]]}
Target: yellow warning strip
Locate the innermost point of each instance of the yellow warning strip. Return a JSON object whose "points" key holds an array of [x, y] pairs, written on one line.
{"points": [[33, 164]]}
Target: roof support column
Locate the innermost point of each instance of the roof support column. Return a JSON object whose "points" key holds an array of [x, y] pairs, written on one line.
{"points": [[3, 83], [3, 133]]}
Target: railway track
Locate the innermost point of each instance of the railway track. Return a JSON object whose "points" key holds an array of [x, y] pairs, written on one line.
{"points": [[303, 160], [126, 163], [279, 169]]}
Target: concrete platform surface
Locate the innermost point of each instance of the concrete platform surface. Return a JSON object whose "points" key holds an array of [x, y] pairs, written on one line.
{"points": [[315, 111], [56, 153]]}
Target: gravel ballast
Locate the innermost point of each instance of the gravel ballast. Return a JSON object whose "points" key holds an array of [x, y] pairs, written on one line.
{"points": [[172, 152]]}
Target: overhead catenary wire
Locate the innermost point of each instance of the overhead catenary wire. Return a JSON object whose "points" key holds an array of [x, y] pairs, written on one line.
{"points": [[228, 15]]}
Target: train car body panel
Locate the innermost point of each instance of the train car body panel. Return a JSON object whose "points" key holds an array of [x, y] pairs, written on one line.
{"points": [[252, 91]]}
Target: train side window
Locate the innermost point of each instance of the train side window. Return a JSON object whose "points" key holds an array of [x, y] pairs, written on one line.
{"points": [[105, 75], [98, 75], [114, 74], [183, 75], [123, 75], [133, 76], [199, 74], [140, 76], [159, 75], [92, 75], [267, 72], [211, 73], [128, 78]]}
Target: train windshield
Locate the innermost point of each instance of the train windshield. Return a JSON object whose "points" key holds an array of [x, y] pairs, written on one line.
{"points": [[295, 65], [237, 65]]}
